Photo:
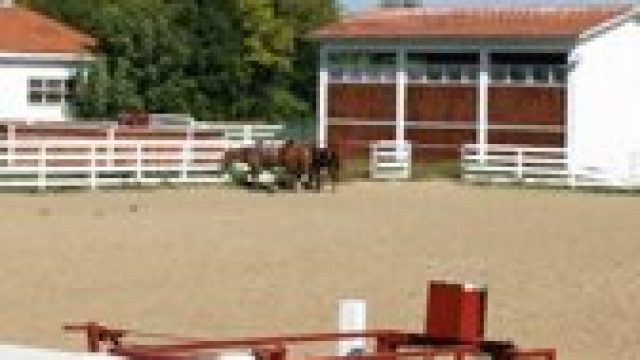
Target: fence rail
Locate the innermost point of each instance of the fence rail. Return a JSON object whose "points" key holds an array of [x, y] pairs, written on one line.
{"points": [[94, 164], [234, 132], [453, 353], [390, 160], [499, 163], [550, 166]]}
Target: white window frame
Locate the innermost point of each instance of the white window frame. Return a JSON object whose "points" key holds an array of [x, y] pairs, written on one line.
{"points": [[48, 93]]}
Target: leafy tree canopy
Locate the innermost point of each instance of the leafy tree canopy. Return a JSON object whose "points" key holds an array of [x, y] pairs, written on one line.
{"points": [[218, 60]]}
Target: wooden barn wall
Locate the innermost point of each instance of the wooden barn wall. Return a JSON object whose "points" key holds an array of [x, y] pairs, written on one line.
{"points": [[353, 140], [362, 101], [528, 138], [439, 144], [442, 103], [441, 136], [544, 106], [527, 105], [431, 144]]}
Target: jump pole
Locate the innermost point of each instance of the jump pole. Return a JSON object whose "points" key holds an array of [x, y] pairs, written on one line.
{"points": [[352, 317]]}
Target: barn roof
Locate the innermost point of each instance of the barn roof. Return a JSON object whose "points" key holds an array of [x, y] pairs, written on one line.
{"points": [[26, 31], [472, 22]]}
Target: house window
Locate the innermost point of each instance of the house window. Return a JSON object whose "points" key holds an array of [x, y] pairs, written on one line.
{"points": [[50, 91]]}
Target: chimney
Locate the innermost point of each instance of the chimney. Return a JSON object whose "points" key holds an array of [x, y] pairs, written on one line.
{"points": [[6, 3]]}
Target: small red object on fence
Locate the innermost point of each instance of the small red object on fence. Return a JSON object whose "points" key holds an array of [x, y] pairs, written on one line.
{"points": [[135, 120]]}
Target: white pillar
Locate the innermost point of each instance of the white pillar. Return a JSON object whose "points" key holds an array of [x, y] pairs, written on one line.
{"points": [[482, 127], [401, 95], [323, 98], [352, 317], [570, 123]]}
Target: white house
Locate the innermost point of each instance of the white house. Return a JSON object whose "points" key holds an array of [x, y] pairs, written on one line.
{"points": [[546, 77], [39, 57]]}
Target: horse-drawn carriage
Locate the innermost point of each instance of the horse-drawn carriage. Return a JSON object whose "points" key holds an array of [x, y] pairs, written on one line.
{"points": [[291, 165]]}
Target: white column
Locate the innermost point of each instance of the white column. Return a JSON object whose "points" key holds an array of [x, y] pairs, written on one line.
{"points": [[352, 317], [482, 127], [323, 98], [570, 123], [401, 95]]}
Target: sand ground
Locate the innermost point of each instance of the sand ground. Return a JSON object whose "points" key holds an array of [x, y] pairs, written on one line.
{"points": [[563, 268]]}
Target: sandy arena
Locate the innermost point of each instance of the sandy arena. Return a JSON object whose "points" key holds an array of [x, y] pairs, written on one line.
{"points": [[563, 268]]}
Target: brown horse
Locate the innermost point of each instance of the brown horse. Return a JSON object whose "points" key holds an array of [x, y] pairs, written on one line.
{"points": [[257, 159], [325, 162], [310, 165], [295, 159], [300, 164]]}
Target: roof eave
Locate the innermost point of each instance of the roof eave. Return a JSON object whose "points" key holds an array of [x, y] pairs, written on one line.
{"points": [[609, 24], [464, 37]]}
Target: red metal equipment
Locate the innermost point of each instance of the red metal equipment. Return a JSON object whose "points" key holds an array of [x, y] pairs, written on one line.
{"points": [[456, 312], [454, 328]]}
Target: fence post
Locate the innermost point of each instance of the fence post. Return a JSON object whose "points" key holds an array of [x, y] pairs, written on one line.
{"points": [[93, 174], [112, 146], [410, 160], [139, 162], [373, 164], [246, 134], [42, 168], [520, 164], [11, 144], [185, 160], [573, 176]]}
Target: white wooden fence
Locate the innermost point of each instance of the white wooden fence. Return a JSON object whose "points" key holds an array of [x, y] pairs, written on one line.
{"points": [[243, 132], [549, 166], [508, 163], [247, 133], [94, 164], [390, 160]]}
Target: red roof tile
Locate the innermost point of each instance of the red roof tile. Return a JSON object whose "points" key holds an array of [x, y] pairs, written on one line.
{"points": [[475, 22], [26, 31]]}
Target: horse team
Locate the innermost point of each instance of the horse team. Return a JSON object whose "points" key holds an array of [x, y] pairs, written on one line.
{"points": [[293, 165]]}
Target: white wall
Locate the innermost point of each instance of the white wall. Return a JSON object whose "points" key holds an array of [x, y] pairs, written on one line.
{"points": [[13, 89], [604, 115]]}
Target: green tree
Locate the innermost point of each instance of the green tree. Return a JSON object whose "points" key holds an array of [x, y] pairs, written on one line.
{"points": [[214, 59], [303, 17], [94, 91]]}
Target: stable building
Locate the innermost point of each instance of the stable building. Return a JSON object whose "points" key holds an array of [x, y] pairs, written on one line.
{"points": [[563, 78], [39, 58]]}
